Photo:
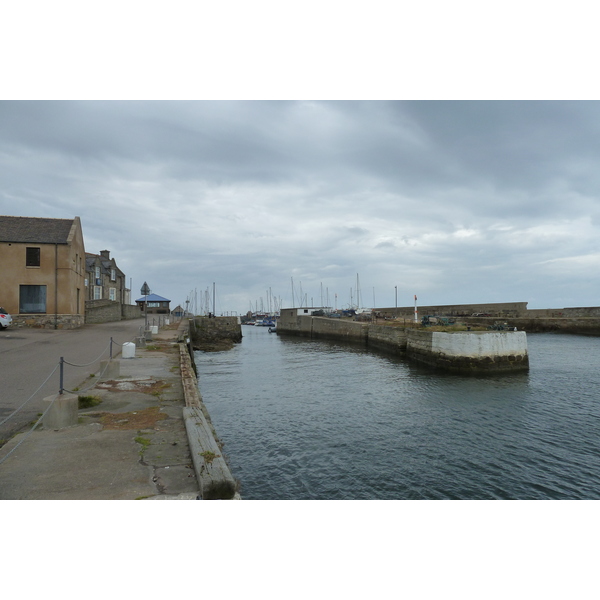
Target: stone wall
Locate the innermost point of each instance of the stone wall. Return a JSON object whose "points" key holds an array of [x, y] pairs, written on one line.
{"points": [[290, 322], [108, 311], [47, 321], [564, 313], [387, 338], [496, 309], [339, 329], [215, 333]]}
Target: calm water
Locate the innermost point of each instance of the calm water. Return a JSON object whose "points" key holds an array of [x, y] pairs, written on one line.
{"points": [[305, 419]]}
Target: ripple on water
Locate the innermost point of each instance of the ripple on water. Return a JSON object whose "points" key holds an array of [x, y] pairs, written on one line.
{"points": [[305, 419]]}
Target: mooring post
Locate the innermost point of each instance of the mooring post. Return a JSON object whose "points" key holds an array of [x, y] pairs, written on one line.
{"points": [[62, 369]]}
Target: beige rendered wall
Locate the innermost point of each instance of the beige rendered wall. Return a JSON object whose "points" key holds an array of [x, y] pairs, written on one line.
{"points": [[59, 263]]}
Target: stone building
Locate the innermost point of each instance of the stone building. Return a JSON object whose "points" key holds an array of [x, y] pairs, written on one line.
{"points": [[104, 279], [43, 271]]}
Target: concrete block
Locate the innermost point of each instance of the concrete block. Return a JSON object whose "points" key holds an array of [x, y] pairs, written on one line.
{"points": [[63, 412], [110, 369], [212, 472]]}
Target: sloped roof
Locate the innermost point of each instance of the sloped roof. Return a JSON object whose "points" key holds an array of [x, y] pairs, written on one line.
{"points": [[152, 298], [105, 264], [34, 230]]}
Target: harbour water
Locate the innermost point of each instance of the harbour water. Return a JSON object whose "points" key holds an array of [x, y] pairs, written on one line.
{"points": [[307, 419]]}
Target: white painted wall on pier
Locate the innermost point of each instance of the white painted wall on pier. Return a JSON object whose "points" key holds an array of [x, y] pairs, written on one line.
{"points": [[480, 344]]}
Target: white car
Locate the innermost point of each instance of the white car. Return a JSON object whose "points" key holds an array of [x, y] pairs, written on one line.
{"points": [[5, 319]]}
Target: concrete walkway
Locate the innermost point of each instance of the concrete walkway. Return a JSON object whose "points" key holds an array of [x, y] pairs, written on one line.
{"points": [[132, 445]]}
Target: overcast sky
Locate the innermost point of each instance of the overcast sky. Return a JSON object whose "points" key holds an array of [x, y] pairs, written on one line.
{"points": [[454, 201]]}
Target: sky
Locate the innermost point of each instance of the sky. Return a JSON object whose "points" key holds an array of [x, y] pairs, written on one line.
{"points": [[452, 201]]}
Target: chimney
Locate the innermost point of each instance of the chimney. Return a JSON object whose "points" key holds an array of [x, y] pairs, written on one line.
{"points": [[105, 254]]}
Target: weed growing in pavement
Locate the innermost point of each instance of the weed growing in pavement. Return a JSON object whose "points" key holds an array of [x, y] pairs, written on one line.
{"points": [[88, 401], [209, 456], [145, 442]]}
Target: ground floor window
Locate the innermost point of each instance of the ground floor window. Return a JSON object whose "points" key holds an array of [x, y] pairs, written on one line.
{"points": [[112, 294], [32, 299], [97, 292]]}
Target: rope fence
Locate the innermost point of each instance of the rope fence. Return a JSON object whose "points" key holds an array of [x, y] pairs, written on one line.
{"points": [[60, 367]]}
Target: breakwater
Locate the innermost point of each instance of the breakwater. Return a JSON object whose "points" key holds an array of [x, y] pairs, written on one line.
{"points": [[467, 352], [213, 334], [581, 320]]}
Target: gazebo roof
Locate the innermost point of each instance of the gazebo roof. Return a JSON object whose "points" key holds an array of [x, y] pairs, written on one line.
{"points": [[152, 298]]}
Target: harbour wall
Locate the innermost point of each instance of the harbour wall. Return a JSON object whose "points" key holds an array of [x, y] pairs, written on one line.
{"points": [[469, 352], [495, 309], [578, 319], [215, 333], [212, 471]]}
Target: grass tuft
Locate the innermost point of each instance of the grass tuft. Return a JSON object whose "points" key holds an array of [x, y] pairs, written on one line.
{"points": [[88, 401]]}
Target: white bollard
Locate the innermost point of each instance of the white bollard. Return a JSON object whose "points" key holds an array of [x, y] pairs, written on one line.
{"points": [[128, 350]]}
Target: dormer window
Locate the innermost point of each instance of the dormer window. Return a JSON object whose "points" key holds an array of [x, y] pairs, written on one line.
{"points": [[113, 275], [97, 272]]}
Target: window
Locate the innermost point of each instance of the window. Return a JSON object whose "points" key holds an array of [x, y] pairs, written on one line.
{"points": [[32, 257], [32, 298], [97, 272], [97, 292], [153, 304], [112, 294], [113, 275]]}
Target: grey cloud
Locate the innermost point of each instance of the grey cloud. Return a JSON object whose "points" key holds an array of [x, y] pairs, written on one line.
{"points": [[252, 193]]}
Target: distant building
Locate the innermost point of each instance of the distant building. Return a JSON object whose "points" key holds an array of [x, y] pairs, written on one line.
{"points": [[178, 311], [43, 271], [157, 305], [105, 281], [309, 310]]}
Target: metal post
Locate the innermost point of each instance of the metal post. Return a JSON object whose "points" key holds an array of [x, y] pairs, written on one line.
{"points": [[62, 368], [110, 353]]}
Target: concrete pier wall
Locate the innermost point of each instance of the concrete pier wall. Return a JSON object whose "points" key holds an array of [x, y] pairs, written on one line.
{"points": [[339, 329], [305, 325], [387, 338], [470, 351]]}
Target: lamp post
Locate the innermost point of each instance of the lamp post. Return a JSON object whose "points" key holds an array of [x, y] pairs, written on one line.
{"points": [[396, 288]]}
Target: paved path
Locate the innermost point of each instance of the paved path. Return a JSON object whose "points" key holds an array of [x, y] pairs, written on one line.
{"points": [[132, 445], [28, 357]]}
